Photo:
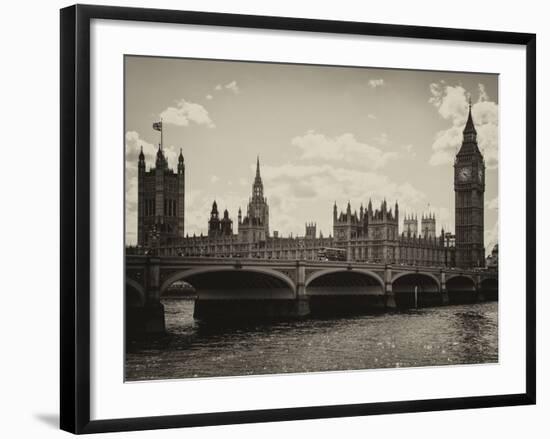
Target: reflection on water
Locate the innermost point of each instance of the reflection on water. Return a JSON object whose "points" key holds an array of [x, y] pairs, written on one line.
{"points": [[460, 334]]}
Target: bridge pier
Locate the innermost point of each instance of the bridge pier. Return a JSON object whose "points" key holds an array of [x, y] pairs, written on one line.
{"points": [[302, 308], [151, 317], [480, 293], [388, 289], [444, 293]]}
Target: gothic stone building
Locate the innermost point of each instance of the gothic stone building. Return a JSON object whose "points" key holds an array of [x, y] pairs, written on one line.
{"points": [[161, 201], [469, 182], [372, 235], [252, 238]]}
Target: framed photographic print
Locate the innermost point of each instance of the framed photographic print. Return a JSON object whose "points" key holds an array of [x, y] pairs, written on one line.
{"points": [[286, 218]]}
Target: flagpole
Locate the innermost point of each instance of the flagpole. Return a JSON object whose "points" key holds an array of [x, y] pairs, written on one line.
{"points": [[161, 130]]}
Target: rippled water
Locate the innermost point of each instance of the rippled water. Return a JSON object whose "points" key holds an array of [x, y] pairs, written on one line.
{"points": [[459, 334]]}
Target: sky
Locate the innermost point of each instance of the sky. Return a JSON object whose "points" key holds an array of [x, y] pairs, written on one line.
{"points": [[324, 134]]}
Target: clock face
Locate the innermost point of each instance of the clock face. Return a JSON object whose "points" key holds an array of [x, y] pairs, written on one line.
{"points": [[464, 174]]}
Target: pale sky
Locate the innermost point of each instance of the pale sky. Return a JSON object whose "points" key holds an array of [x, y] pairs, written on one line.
{"points": [[323, 134]]}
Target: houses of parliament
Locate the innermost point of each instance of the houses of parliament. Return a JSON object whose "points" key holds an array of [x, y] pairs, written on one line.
{"points": [[370, 234]]}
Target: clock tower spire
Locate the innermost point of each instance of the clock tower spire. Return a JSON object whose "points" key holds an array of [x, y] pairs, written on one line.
{"points": [[469, 184]]}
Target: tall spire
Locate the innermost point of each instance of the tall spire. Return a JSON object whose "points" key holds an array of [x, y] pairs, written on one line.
{"points": [[469, 136], [214, 211], [141, 162], [161, 161], [258, 187], [470, 127]]}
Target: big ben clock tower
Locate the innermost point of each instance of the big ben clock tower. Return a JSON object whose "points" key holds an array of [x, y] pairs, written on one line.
{"points": [[469, 198]]}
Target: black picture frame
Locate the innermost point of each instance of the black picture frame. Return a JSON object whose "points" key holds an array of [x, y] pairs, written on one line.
{"points": [[75, 217]]}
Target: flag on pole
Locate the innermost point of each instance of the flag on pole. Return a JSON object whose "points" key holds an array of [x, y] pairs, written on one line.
{"points": [[157, 126]]}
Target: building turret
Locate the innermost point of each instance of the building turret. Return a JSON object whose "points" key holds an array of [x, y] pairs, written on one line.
{"points": [[141, 160], [410, 225], [311, 230], [181, 165], [254, 227], [226, 224], [214, 211], [181, 195], [396, 211], [141, 198], [428, 225], [257, 187], [214, 221]]}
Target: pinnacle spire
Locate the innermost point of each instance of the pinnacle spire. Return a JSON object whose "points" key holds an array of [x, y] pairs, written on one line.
{"points": [[258, 187], [470, 127]]}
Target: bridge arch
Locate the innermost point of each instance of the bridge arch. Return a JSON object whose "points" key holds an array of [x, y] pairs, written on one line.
{"points": [[416, 289], [460, 278], [461, 288], [489, 288], [344, 291], [421, 275], [366, 273], [489, 282], [229, 277], [135, 293]]}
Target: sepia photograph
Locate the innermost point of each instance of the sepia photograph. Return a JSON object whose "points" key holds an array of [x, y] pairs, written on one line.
{"points": [[297, 218]]}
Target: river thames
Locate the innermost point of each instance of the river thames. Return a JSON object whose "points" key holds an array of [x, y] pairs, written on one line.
{"points": [[456, 334]]}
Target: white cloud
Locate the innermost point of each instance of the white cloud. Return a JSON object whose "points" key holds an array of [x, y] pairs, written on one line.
{"points": [[300, 192], [344, 148], [186, 112], [232, 86], [492, 204], [445, 146], [409, 150], [371, 116], [483, 96], [382, 139], [218, 87], [451, 103], [209, 97], [214, 179], [373, 83]]}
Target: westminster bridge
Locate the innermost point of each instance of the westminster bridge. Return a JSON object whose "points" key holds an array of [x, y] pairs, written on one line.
{"points": [[233, 289]]}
